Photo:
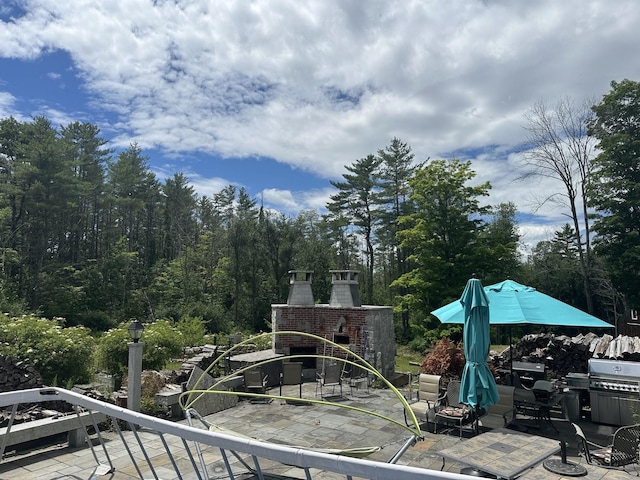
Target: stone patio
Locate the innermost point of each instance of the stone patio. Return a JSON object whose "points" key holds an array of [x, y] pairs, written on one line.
{"points": [[328, 426]]}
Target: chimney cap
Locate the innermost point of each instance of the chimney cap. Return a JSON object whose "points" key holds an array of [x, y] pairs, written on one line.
{"points": [[300, 275], [344, 275]]}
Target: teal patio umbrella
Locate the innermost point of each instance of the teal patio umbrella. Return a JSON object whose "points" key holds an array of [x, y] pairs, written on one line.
{"points": [[477, 385], [514, 304]]}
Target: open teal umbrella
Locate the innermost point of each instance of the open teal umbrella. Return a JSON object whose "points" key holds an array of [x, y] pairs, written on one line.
{"points": [[477, 386], [514, 304]]}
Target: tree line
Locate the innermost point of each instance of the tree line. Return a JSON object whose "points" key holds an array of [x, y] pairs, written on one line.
{"points": [[92, 236]]}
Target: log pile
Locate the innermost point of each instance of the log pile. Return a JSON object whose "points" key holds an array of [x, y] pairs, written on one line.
{"points": [[16, 375], [563, 354]]}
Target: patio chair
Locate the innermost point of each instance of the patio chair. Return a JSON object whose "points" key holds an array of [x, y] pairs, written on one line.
{"points": [[452, 411], [622, 451], [255, 382], [330, 377], [291, 375], [429, 397], [358, 377], [503, 413]]}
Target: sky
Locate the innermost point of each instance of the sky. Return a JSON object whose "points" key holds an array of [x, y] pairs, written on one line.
{"points": [[278, 96]]}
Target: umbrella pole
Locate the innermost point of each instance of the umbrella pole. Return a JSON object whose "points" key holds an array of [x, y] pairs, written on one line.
{"points": [[510, 351]]}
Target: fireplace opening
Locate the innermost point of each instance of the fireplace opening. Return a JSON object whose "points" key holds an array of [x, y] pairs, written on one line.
{"points": [[306, 362], [341, 339]]}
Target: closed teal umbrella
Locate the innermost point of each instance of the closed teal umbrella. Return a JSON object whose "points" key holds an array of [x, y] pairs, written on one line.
{"points": [[477, 386]]}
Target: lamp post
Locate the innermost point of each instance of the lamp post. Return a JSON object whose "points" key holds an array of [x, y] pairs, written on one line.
{"points": [[134, 379]]}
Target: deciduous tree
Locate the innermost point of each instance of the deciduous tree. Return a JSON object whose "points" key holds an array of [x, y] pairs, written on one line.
{"points": [[616, 184], [562, 150], [442, 234]]}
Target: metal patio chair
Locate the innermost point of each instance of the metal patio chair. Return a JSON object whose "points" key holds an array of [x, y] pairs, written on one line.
{"points": [[503, 413], [291, 375], [357, 377], [255, 382], [452, 411], [622, 451]]}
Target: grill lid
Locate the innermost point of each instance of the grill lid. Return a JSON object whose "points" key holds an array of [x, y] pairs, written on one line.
{"points": [[599, 367]]}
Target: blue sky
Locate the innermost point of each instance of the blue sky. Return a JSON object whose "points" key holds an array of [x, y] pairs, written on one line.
{"points": [[279, 95]]}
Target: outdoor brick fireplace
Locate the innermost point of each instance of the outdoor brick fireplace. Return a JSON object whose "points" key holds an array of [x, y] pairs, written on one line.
{"points": [[367, 330]]}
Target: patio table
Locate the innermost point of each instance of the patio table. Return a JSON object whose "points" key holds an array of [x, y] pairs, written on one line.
{"points": [[502, 452]]}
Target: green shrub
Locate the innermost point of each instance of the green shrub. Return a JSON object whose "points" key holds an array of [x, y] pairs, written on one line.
{"points": [[419, 345], [162, 342], [62, 356], [193, 330], [112, 354]]}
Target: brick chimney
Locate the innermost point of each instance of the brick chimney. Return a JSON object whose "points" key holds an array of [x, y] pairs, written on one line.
{"points": [[344, 289], [300, 292]]}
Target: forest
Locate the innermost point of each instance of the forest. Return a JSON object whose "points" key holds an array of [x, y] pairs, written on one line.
{"points": [[91, 236]]}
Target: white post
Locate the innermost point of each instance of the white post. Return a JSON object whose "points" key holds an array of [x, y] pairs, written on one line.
{"points": [[134, 379]]}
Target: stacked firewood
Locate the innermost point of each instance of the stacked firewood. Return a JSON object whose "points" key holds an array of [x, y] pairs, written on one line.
{"points": [[15, 375], [563, 354]]}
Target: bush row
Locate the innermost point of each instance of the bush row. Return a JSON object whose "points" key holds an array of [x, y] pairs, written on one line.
{"points": [[64, 356]]}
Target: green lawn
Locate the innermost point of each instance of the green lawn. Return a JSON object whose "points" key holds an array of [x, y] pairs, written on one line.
{"points": [[404, 355]]}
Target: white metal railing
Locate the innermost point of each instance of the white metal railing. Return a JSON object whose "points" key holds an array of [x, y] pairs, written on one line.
{"points": [[193, 438]]}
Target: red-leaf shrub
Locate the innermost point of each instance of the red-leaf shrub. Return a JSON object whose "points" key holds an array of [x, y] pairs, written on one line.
{"points": [[446, 359]]}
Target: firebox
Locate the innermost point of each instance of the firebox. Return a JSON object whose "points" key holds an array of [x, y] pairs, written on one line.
{"points": [[307, 362]]}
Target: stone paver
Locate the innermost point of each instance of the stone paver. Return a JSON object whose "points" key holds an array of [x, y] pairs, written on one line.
{"points": [[302, 425]]}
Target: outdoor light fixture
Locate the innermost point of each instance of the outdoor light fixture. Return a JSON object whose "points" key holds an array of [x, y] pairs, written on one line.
{"points": [[135, 330]]}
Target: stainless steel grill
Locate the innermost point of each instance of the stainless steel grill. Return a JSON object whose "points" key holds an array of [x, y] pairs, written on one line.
{"points": [[614, 391]]}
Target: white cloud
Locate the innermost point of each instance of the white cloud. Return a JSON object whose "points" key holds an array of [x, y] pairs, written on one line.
{"points": [[282, 200], [319, 84], [317, 199], [7, 105], [207, 187], [202, 186]]}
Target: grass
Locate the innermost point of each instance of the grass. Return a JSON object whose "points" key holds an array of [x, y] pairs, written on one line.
{"points": [[499, 348], [404, 355]]}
